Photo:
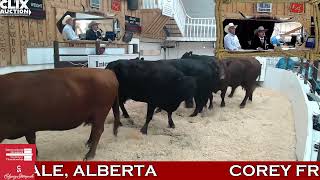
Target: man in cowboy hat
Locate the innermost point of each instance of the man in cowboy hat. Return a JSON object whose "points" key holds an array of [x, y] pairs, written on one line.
{"points": [[231, 41], [260, 41], [93, 33], [68, 32]]}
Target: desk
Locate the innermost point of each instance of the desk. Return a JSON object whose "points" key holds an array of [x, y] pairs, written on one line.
{"points": [[250, 50]]}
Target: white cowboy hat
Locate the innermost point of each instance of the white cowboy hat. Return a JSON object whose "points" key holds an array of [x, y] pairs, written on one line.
{"points": [[66, 18], [226, 29], [92, 23]]}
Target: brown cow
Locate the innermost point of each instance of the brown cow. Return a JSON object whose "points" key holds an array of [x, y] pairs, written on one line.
{"points": [[239, 72], [58, 99]]}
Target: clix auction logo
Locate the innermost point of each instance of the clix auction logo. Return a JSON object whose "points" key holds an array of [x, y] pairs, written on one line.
{"points": [[14, 8]]}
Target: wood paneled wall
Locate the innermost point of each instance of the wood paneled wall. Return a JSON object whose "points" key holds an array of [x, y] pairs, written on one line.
{"points": [[280, 9], [153, 22], [18, 33]]}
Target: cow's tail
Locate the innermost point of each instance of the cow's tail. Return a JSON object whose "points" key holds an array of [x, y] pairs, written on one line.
{"points": [[257, 82], [116, 114]]}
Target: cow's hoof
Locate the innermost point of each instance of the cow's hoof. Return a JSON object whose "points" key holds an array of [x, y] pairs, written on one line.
{"points": [[222, 105], [158, 110], [172, 126], [230, 96], [131, 121], [143, 131], [89, 156], [88, 144], [210, 107], [126, 116], [242, 106], [193, 114]]}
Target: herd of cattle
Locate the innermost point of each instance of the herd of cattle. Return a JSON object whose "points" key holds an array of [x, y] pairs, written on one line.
{"points": [[63, 99]]}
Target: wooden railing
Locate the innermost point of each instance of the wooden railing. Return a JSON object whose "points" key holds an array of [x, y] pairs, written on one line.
{"points": [[83, 43]]}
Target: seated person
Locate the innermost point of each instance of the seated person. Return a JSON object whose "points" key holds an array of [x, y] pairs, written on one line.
{"points": [[275, 38], [275, 41], [231, 41], [68, 32], [93, 33], [260, 41]]}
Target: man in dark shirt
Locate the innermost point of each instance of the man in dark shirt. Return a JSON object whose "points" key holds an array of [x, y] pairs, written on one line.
{"points": [[260, 41], [93, 33]]}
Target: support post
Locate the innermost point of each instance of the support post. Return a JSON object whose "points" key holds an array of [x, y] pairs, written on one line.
{"points": [[301, 66], [97, 47], [314, 75], [56, 56], [306, 73]]}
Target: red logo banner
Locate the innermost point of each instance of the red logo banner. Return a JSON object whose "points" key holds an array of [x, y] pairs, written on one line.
{"points": [[116, 5], [17, 161], [178, 170], [297, 7]]}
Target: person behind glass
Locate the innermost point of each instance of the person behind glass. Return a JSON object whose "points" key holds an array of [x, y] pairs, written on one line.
{"points": [[260, 41], [93, 33], [68, 32], [231, 41], [275, 38]]}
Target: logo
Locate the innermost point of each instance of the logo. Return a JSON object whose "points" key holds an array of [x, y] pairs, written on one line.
{"points": [[297, 7], [14, 8], [24, 154], [17, 161], [116, 5]]}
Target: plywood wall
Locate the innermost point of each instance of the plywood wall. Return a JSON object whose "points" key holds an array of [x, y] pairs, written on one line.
{"points": [[18, 33], [250, 9]]}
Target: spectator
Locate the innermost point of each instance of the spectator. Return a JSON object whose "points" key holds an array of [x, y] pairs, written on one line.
{"points": [[231, 41], [275, 38], [260, 41], [68, 32], [93, 33]]}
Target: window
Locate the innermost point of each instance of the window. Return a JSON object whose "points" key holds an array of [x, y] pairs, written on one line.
{"points": [[264, 7], [95, 3]]}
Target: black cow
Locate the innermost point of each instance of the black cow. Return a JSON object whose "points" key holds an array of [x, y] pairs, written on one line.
{"points": [[221, 84], [208, 76], [238, 72], [153, 82]]}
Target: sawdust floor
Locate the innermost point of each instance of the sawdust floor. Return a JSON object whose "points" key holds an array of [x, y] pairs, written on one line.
{"points": [[264, 130]]}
